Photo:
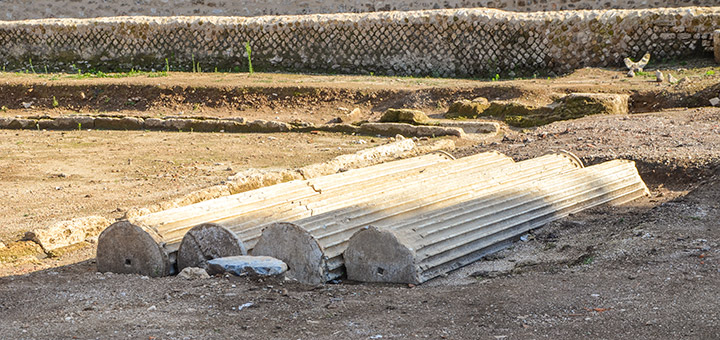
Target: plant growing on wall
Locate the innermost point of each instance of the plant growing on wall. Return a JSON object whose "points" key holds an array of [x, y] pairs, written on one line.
{"points": [[249, 53]]}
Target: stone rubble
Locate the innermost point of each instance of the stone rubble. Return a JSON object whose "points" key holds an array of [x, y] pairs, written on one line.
{"points": [[659, 77], [245, 265], [193, 273]]}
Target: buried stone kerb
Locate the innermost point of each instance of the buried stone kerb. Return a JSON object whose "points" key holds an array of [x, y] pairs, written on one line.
{"points": [[206, 242], [375, 255], [293, 245], [128, 249]]}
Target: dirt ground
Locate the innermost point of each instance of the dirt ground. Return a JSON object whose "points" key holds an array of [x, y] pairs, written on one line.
{"points": [[645, 270], [318, 99]]}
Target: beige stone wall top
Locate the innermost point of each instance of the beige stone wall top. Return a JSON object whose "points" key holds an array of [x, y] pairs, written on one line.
{"points": [[462, 42], [439, 16]]}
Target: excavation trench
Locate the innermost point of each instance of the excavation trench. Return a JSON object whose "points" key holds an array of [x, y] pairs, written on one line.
{"points": [[144, 98]]}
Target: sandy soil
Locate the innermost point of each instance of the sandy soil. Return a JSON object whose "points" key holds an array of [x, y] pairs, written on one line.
{"points": [[645, 270], [48, 176]]}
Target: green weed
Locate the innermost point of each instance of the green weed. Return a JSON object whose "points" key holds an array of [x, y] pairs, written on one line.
{"points": [[249, 53]]}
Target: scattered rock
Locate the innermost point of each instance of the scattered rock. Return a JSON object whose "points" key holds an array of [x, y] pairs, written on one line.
{"points": [[193, 273], [404, 116], [714, 101], [27, 105], [472, 127], [244, 265], [574, 105], [124, 123], [631, 74], [659, 77], [499, 108], [671, 79], [245, 305], [208, 241], [66, 233], [716, 45], [268, 126], [2, 245], [20, 123], [408, 130], [353, 116], [467, 108], [154, 124], [67, 123], [583, 104], [176, 124]]}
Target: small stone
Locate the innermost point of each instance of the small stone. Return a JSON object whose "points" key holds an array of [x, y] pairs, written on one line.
{"points": [[353, 116], [151, 308], [631, 73], [467, 108], [672, 79], [243, 265], [659, 77], [193, 273], [714, 101], [2, 245], [404, 116]]}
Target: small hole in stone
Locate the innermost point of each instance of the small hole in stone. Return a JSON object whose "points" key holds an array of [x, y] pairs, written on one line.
{"points": [[380, 271], [128, 262]]}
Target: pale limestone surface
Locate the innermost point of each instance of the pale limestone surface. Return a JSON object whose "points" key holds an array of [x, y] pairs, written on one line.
{"points": [[38, 9]]}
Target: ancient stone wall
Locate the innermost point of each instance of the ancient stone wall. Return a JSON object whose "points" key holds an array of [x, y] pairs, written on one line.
{"points": [[465, 42], [39, 9]]}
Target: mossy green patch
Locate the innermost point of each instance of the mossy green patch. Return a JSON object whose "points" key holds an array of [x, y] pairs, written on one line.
{"points": [[68, 249], [17, 250]]}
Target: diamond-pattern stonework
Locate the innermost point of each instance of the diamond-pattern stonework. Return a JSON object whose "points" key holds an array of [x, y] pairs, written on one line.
{"points": [[448, 43]]}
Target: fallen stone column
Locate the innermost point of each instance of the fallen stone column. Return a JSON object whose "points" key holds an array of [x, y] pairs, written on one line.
{"points": [[123, 246], [337, 191], [312, 247], [426, 246]]}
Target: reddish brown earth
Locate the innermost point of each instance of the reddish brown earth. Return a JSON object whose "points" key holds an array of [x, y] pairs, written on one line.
{"points": [[648, 269]]}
